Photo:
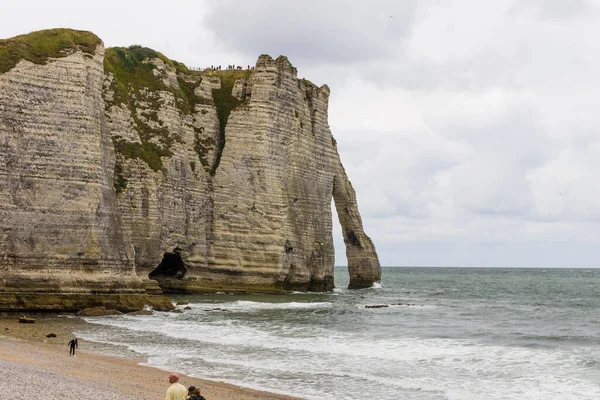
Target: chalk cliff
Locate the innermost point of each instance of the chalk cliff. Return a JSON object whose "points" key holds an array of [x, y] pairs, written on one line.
{"points": [[122, 170], [62, 244]]}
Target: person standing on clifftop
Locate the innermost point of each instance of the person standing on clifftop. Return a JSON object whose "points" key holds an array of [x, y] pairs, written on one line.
{"points": [[72, 346], [176, 391]]}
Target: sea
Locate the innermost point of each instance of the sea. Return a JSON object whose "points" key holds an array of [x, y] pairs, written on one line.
{"points": [[435, 333]]}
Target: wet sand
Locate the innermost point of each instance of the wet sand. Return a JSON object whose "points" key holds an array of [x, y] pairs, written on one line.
{"points": [[41, 367]]}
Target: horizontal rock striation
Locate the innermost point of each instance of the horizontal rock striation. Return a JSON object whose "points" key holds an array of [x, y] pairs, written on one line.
{"points": [[122, 170], [272, 193], [60, 228]]}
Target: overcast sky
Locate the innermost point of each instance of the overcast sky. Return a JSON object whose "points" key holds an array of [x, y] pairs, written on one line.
{"points": [[469, 129]]}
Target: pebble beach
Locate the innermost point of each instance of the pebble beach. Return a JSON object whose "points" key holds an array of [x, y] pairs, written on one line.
{"points": [[37, 366]]}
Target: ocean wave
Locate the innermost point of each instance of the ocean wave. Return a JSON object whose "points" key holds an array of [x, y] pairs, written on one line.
{"points": [[250, 306]]}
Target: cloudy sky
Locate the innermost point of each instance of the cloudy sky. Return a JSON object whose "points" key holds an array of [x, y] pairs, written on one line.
{"points": [[468, 128]]}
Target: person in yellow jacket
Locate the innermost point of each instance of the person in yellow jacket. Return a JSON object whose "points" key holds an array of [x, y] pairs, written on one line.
{"points": [[176, 391]]}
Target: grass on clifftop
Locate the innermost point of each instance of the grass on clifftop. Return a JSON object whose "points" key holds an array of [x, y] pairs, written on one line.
{"points": [[134, 73], [40, 46], [131, 73]]}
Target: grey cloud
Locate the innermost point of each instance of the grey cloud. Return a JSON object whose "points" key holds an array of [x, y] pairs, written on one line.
{"points": [[316, 31], [494, 181], [518, 50], [553, 9], [530, 62], [398, 174]]}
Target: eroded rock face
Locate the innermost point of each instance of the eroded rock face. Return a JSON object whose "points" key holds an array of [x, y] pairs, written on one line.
{"points": [[59, 210], [255, 212], [102, 174], [363, 263], [60, 228], [272, 192]]}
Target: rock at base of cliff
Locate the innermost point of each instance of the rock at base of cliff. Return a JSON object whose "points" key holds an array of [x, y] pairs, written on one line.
{"points": [[74, 302], [97, 312]]}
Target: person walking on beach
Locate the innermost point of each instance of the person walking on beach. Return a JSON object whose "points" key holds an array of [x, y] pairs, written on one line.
{"points": [[72, 346], [176, 391], [194, 393]]}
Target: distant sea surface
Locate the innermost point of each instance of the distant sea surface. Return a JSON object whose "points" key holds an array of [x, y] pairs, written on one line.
{"points": [[449, 333]]}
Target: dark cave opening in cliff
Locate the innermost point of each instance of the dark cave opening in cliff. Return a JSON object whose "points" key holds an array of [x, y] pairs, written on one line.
{"points": [[171, 266]]}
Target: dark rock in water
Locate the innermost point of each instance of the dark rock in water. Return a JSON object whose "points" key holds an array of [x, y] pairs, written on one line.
{"points": [[51, 335], [141, 312], [182, 303], [187, 308], [26, 320], [177, 311], [389, 305], [97, 312]]}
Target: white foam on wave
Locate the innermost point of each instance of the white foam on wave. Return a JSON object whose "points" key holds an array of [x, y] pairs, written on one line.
{"points": [[455, 369], [376, 285], [247, 345], [243, 305], [268, 336]]}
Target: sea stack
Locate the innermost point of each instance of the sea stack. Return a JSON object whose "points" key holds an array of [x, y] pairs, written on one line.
{"points": [[124, 173]]}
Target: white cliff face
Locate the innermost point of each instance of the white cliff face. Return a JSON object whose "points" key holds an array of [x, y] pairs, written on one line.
{"points": [[165, 204], [272, 192], [63, 246], [257, 214], [103, 169], [58, 210]]}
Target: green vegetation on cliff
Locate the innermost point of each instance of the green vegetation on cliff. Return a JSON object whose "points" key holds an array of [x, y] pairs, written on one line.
{"points": [[39, 47], [225, 102], [136, 75], [137, 84]]}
